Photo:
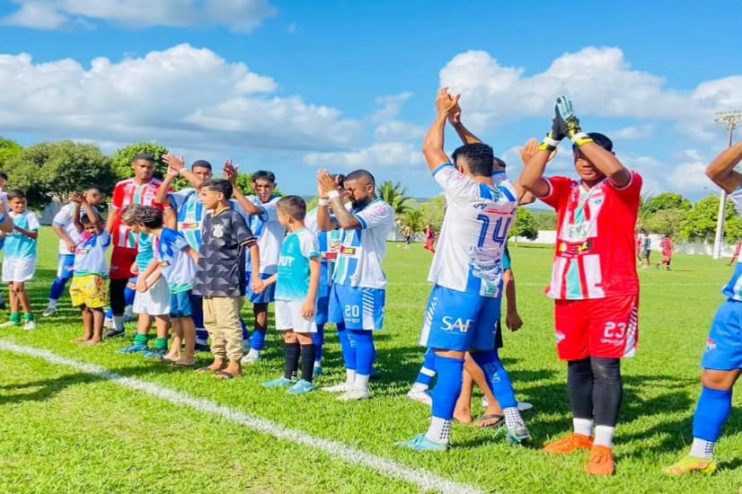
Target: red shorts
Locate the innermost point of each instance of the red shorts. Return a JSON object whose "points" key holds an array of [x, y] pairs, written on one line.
{"points": [[604, 328], [121, 261]]}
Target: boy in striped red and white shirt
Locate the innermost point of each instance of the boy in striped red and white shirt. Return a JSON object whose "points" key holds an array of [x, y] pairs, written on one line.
{"points": [[594, 282]]}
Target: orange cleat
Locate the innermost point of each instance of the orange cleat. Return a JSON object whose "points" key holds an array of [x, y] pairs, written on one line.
{"points": [[601, 461], [570, 444]]}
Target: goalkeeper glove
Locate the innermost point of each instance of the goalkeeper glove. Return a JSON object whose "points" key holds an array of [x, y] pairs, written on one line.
{"points": [[554, 136], [569, 124]]}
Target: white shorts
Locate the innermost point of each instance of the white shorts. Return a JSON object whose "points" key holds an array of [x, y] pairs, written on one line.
{"points": [[288, 316], [155, 301], [18, 270]]}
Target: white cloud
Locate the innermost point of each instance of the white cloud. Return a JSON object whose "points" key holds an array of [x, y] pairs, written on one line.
{"points": [[397, 130], [633, 132], [689, 173], [179, 96], [237, 15], [385, 154]]}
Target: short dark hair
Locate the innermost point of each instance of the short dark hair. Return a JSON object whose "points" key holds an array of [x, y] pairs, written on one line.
{"points": [[4, 176], [85, 219], [498, 163], [361, 173], [149, 216], [95, 187], [201, 164], [145, 156], [600, 139], [264, 175], [16, 194], [293, 206], [479, 157], [339, 179], [219, 185]]}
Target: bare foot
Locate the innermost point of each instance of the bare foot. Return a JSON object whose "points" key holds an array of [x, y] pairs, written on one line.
{"points": [[93, 341], [82, 339], [462, 416], [184, 362]]}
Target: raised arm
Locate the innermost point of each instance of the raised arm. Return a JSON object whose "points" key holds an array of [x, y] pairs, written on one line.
{"points": [[722, 172], [433, 151], [76, 218], [6, 224], [467, 137], [345, 219], [178, 163], [534, 159], [92, 214], [230, 173], [324, 221], [161, 196]]}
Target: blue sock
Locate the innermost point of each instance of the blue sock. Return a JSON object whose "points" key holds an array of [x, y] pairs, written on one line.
{"points": [[318, 339], [197, 313], [713, 410], [427, 371], [58, 288], [497, 377], [257, 340], [349, 353], [363, 341], [109, 313], [448, 389], [129, 295]]}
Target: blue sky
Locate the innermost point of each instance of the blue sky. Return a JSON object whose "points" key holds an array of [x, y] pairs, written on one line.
{"points": [[293, 86]]}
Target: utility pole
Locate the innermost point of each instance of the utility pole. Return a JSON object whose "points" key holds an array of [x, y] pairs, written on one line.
{"points": [[730, 120]]}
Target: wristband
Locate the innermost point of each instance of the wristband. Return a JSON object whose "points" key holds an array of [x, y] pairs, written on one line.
{"points": [[333, 194], [581, 138], [324, 202], [548, 144]]}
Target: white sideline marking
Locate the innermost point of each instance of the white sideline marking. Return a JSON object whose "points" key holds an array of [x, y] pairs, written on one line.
{"points": [[417, 476]]}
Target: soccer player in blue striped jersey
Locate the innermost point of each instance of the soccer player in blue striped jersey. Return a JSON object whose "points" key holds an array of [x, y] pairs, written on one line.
{"points": [[464, 306], [722, 361], [358, 293]]}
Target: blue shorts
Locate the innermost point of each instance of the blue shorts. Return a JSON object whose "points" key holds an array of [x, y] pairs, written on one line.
{"points": [[268, 296], [357, 308], [65, 266], [724, 343], [323, 304], [460, 321], [180, 304]]}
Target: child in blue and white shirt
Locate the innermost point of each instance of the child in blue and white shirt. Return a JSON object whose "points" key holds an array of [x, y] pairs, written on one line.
{"points": [[19, 265], [297, 286]]}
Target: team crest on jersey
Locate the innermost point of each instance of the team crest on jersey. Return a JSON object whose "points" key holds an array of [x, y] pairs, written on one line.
{"points": [[710, 344], [560, 337], [218, 231]]}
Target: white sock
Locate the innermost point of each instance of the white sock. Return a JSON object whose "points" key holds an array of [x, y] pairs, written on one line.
{"points": [[702, 449], [439, 431], [419, 388], [604, 436], [361, 382], [118, 323], [53, 303], [583, 426], [253, 353], [513, 418], [350, 376]]}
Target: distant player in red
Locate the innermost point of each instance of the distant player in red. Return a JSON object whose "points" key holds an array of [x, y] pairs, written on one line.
{"points": [[594, 282], [140, 189], [666, 245], [430, 239]]}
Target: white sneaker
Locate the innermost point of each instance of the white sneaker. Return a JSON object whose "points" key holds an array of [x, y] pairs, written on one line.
{"points": [[339, 388], [250, 359], [108, 323], [421, 396], [29, 325], [524, 406], [355, 394], [9, 324], [49, 311]]}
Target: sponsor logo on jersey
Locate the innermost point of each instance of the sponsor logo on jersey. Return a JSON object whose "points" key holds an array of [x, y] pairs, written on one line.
{"points": [[456, 324], [560, 337]]}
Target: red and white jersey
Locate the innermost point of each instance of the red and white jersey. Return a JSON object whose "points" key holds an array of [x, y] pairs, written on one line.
{"points": [[125, 193], [595, 248], [666, 246]]}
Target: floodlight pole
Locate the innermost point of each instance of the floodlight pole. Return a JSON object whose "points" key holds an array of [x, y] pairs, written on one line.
{"points": [[729, 119]]}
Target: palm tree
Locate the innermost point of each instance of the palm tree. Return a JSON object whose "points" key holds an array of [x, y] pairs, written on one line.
{"points": [[396, 196], [414, 219]]}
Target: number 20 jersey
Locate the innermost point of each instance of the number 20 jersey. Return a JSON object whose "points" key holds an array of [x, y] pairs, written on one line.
{"points": [[475, 227]]}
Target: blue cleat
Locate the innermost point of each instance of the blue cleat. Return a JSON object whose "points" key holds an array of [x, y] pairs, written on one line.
{"points": [[301, 387], [516, 436], [278, 383], [154, 354], [422, 443], [135, 348]]}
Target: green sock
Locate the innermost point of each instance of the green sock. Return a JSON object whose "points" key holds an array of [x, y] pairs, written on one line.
{"points": [[141, 339], [160, 343], [28, 317], [15, 318]]}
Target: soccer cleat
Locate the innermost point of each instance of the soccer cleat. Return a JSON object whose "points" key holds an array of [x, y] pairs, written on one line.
{"points": [[155, 354], [421, 396], [516, 436], [422, 443], [601, 462], [524, 406], [10, 324], [250, 359], [355, 394], [570, 444], [114, 333], [49, 311], [29, 325], [339, 388], [689, 464], [281, 382], [301, 388], [135, 348]]}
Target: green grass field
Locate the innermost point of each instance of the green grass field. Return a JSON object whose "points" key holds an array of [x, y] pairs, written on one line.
{"points": [[63, 430]]}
